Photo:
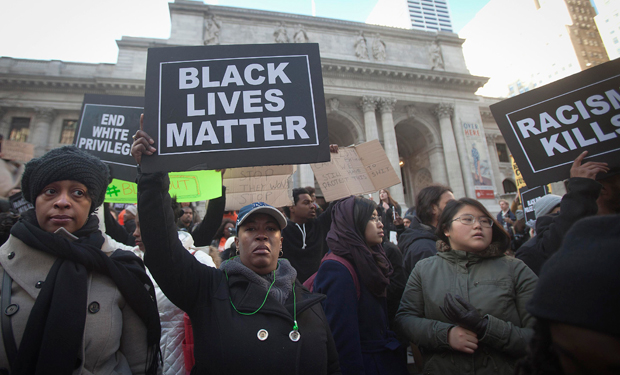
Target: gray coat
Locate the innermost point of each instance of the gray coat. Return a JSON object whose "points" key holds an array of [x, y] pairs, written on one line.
{"points": [[499, 287], [114, 336]]}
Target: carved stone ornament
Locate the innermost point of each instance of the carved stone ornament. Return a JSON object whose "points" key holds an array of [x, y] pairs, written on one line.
{"points": [[368, 104], [280, 35], [444, 110], [333, 104], [44, 115], [412, 111], [361, 48], [212, 27], [436, 56], [300, 35], [378, 48], [387, 104]]}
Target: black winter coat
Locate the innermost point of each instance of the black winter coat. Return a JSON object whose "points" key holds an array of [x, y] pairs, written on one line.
{"points": [[416, 242], [578, 203], [226, 342]]}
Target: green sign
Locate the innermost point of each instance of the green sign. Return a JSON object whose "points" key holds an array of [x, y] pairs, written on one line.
{"points": [[186, 186]]}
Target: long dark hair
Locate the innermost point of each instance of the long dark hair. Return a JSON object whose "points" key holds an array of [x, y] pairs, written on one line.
{"points": [[428, 197], [220, 231], [500, 237]]}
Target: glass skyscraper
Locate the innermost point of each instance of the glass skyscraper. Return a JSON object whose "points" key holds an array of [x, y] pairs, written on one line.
{"points": [[430, 15]]}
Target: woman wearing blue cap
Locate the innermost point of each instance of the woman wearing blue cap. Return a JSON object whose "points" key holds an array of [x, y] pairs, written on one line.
{"points": [[251, 315]]}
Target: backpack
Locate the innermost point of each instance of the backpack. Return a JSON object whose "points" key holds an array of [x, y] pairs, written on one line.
{"points": [[331, 256]]}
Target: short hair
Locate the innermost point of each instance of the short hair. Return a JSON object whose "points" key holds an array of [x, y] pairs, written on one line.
{"points": [[310, 189], [500, 237], [428, 197], [362, 212], [297, 192], [503, 200]]}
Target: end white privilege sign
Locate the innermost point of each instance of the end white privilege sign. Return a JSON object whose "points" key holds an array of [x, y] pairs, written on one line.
{"points": [[547, 128], [211, 107]]}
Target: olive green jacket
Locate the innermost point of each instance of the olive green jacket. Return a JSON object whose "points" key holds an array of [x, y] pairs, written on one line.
{"points": [[498, 286]]}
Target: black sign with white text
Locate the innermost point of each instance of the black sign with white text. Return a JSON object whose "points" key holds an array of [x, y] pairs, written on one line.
{"points": [[547, 128], [106, 127], [214, 107], [529, 198]]}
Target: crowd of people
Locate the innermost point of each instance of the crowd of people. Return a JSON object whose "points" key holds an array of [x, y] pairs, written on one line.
{"points": [[349, 287]]}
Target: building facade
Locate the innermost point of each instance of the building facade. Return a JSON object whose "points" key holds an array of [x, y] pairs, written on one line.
{"points": [[608, 23], [409, 89]]}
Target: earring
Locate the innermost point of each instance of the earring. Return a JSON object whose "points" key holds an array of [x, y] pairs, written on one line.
{"points": [[237, 252], [281, 253]]}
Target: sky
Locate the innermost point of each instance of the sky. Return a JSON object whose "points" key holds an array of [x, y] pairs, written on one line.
{"points": [[87, 30]]}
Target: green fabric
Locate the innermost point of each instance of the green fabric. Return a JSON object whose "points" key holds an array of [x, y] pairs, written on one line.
{"points": [[499, 287]]}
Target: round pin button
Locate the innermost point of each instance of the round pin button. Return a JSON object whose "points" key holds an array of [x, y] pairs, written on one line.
{"points": [[94, 307], [294, 336], [262, 334]]}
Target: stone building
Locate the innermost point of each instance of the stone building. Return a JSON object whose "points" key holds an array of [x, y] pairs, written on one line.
{"points": [[408, 88]]}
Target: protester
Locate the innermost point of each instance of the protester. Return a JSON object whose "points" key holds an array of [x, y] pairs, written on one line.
{"points": [[521, 232], [75, 306], [304, 235], [312, 192], [224, 232], [418, 241], [130, 218], [579, 202], [407, 220], [465, 307], [505, 217], [576, 304], [186, 219], [252, 315], [171, 317], [608, 201], [387, 209], [359, 322]]}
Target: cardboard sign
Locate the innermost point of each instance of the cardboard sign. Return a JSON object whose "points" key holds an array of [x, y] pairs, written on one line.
{"points": [[17, 151], [272, 185], [213, 107], [362, 169], [185, 186], [547, 128], [19, 204], [106, 127], [529, 198]]}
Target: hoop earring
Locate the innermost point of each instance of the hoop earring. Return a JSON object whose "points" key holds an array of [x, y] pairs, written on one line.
{"points": [[281, 253]]}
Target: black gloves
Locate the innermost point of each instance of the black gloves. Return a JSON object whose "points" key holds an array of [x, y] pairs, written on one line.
{"points": [[463, 313]]}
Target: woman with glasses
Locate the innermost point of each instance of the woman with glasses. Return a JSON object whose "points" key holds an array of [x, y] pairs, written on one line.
{"points": [[465, 307], [355, 276]]}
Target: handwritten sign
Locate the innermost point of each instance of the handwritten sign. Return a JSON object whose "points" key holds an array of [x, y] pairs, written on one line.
{"points": [[18, 151], [518, 177], [19, 204], [362, 169], [547, 128], [210, 107], [186, 186], [272, 185]]}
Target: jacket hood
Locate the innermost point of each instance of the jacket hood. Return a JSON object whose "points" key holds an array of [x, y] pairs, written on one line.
{"points": [[416, 231]]}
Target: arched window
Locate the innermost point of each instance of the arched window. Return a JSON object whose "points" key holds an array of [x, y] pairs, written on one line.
{"points": [[509, 186]]}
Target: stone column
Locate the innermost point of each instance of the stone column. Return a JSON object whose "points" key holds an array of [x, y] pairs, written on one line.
{"points": [[306, 176], [39, 133], [468, 178], [438, 166], [499, 187], [386, 106], [4, 125], [368, 105], [451, 155]]}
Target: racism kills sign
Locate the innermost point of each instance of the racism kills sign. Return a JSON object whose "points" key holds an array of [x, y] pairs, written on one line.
{"points": [[106, 127], [547, 128], [214, 107]]}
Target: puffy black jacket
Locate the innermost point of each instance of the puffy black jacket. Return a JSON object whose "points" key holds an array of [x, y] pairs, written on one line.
{"points": [[416, 242]]}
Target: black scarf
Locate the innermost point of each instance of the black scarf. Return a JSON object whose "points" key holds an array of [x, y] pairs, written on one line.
{"points": [[55, 328]]}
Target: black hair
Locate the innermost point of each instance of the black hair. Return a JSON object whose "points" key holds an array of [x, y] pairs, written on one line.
{"points": [[362, 212], [500, 237], [540, 358], [425, 200], [220, 231], [297, 192], [310, 189]]}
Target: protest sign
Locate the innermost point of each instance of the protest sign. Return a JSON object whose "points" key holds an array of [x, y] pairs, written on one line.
{"points": [[362, 169], [547, 128], [478, 160], [271, 184], [185, 186], [529, 198], [517, 173], [19, 204], [213, 107], [18, 151], [106, 127]]}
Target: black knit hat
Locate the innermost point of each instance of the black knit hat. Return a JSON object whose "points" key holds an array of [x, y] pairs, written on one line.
{"points": [[580, 284], [66, 163]]}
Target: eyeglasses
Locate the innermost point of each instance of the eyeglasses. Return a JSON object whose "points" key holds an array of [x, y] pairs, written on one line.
{"points": [[375, 219], [468, 219]]}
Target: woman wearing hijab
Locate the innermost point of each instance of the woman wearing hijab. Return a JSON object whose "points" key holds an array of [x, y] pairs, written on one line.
{"points": [[465, 307], [249, 316], [356, 304], [71, 304]]}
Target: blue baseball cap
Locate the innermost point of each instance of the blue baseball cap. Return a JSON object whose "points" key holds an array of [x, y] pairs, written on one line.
{"points": [[260, 208]]}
